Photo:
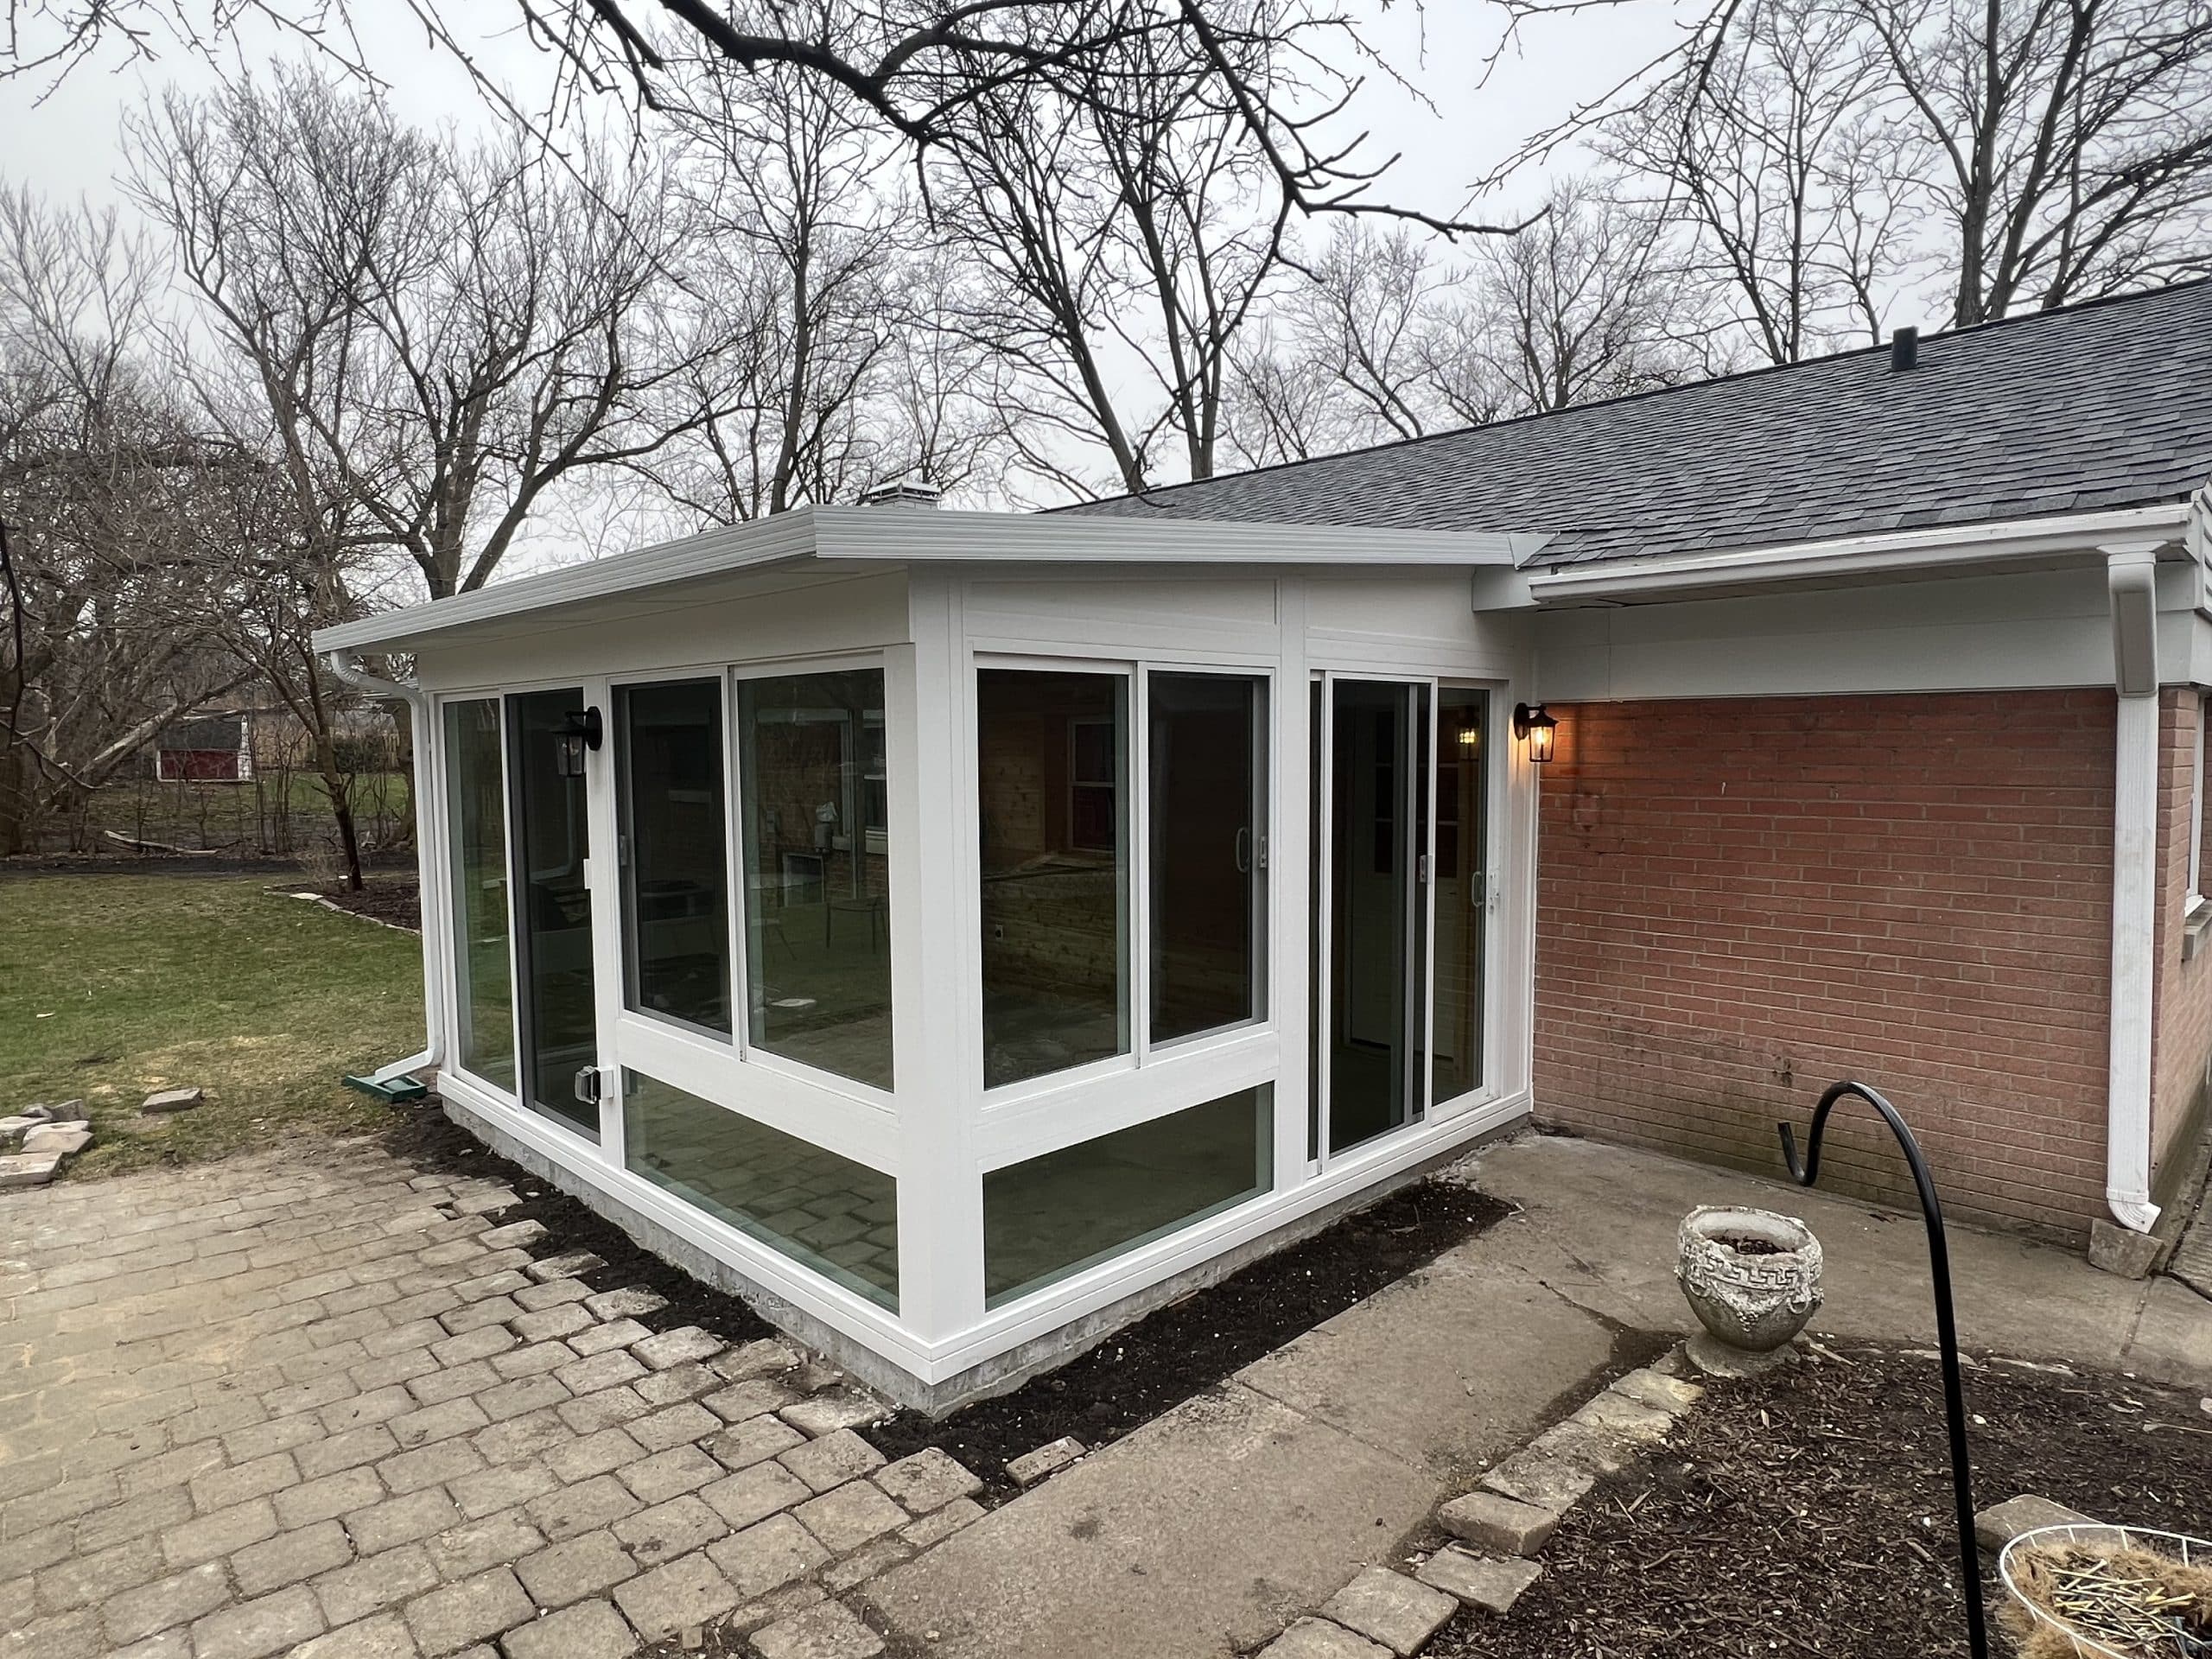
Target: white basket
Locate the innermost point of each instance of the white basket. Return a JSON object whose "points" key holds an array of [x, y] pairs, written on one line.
{"points": [[2179, 1547]]}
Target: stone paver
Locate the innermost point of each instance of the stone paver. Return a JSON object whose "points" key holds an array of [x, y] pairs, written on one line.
{"points": [[324, 1404], [827, 1631], [1390, 1608]]}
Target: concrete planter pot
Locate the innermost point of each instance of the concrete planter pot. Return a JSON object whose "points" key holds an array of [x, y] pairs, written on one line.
{"points": [[1751, 1276]]}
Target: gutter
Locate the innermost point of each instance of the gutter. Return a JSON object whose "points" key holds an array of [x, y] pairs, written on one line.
{"points": [[2130, 572], [1895, 553], [395, 1081]]}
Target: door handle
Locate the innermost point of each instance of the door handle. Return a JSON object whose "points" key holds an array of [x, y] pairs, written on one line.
{"points": [[1243, 854], [589, 1085]]}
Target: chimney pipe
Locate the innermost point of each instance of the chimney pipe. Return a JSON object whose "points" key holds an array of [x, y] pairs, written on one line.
{"points": [[912, 491], [1905, 350]]}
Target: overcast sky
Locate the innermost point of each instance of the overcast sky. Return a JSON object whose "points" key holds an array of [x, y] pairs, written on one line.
{"points": [[65, 140]]}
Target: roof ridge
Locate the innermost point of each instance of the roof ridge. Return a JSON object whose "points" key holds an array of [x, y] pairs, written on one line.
{"points": [[2024, 319]]}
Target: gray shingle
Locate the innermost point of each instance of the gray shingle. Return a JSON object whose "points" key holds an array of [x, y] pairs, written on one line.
{"points": [[2108, 404]]}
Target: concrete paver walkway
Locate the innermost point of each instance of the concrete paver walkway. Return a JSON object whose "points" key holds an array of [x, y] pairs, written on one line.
{"points": [[325, 1405], [1209, 1529]]}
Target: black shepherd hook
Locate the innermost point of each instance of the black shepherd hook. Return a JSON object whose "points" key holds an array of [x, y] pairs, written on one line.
{"points": [[1946, 1331]]}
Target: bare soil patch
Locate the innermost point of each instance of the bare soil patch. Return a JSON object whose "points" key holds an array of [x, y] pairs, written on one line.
{"points": [[1808, 1512], [1191, 1346], [394, 899]]}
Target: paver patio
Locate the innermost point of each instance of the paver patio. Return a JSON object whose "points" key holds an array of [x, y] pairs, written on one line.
{"points": [[325, 1404]]}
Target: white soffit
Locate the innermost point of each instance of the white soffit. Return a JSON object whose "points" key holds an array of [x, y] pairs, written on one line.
{"points": [[893, 535], [1949, 549]]}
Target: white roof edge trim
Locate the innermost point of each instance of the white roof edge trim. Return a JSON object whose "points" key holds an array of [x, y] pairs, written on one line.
{"points": [[1891, 551], [733, 547], [921, 535]]}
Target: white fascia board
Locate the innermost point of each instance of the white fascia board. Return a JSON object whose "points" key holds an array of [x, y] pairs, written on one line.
{"points": [[920, 535], [716, 552], [1892, 554]]}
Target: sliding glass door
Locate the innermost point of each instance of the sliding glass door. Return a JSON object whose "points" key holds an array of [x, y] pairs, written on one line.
{"points": [[552, 908], [1399, 891]]}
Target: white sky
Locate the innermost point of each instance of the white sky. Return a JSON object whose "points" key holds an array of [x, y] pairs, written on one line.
{"points": [[64, 141]]}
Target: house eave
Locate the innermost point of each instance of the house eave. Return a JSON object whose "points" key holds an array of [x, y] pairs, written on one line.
{"points": [[2023, 543], [892, 536]]}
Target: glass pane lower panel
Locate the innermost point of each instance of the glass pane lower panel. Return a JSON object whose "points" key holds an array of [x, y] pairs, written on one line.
{"points": [[1057, 1215], [826, 1212]]}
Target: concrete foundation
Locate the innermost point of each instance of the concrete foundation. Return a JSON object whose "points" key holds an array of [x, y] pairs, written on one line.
{"points": [[999, 1375]]}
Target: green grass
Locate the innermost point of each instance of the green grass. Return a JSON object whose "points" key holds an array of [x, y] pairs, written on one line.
{"points": [[114, 986]]}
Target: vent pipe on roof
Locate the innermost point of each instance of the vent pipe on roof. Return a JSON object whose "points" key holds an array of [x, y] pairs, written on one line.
{"points": [[1905, 350], [912, 491]]}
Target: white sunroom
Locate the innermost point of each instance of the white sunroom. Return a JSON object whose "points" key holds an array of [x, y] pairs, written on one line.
{"points": [[958, 932]]}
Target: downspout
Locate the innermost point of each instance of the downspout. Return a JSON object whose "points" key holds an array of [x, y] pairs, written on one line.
{"points": [[430, 851], [2130, 571]]}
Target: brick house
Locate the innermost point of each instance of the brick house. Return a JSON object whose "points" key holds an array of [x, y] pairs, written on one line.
{"points": [[960, 932]]}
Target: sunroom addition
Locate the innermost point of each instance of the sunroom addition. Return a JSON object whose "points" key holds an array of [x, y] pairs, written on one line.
{"points": [[958, 932]]}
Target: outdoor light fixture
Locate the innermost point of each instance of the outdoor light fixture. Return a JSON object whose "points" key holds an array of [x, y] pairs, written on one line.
{"points": [[1529, 720], [580, 732]]}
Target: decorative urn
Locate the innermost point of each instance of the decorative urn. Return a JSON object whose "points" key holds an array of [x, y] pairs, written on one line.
{"points": [[1751, 1276]]}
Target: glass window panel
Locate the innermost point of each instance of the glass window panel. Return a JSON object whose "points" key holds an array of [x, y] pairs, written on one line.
{"points": [[1058, 1214], [817, 912], [675, 860], [553, 934], [1206, 816], [476, 810], [1051, 762], [829, 1213], [1462, 889]]}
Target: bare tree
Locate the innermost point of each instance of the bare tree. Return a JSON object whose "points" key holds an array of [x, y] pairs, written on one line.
{"points": [[433, 337], [1770, 162], [1120, 242], [1581, 307], [101, 478]]}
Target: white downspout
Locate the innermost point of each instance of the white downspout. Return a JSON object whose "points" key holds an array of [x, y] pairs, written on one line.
{"points": [[2130, 580], [430, 854]]}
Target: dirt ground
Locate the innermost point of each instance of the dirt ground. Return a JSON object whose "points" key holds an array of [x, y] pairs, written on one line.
{"points": [[1189, 1345], [1809, 1512]]}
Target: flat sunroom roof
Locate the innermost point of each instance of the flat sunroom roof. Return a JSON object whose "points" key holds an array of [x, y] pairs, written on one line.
{"points": [[907, 535]]}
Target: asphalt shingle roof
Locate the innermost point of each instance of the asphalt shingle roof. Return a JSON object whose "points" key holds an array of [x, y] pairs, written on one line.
{"points": [[2102, 405]]}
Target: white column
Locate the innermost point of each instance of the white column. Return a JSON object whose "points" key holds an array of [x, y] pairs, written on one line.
{"points": [[1290, 872], [2131, 570], [935, 973]]}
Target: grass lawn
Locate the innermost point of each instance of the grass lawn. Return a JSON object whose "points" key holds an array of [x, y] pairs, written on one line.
{"points": [[114, 986]]}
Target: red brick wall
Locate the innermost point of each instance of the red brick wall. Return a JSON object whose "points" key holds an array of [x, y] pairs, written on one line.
{"points": [[1741, 901], [2181, 1038]]}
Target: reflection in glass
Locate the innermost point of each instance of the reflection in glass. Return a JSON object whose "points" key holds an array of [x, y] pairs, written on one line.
{"points": [[675, 868], [476, 809], [837, 1217], [1052, 758], [1462, 891], [818, 911], [1206, 820], [1378, 815], [552, 910], [1057, 1215]]}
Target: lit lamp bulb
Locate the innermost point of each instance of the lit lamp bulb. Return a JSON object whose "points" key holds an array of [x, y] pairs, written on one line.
{"points": [[1531, 721]]}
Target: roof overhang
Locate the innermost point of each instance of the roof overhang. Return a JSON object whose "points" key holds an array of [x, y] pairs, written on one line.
{"points": [[1953, 550], [898, 536]]}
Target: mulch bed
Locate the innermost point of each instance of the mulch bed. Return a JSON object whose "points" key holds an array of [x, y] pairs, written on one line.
{"points": [[1809, 1512], [394, 899], [1191, 1346]]}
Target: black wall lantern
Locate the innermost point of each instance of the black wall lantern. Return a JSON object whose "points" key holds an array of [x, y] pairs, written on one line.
{"points": [[580, 731], [1529, 720]]}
